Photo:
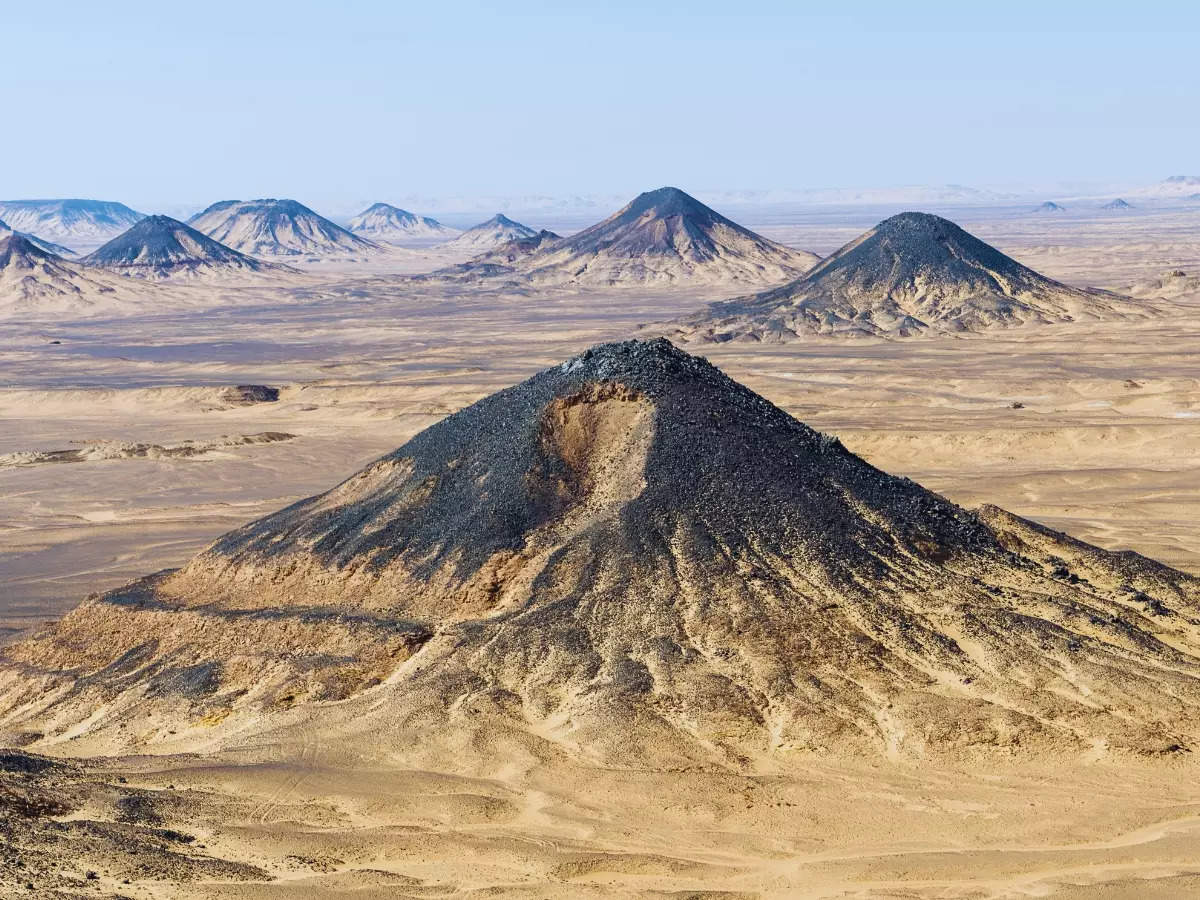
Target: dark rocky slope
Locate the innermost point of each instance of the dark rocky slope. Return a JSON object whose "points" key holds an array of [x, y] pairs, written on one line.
{"points": [[661, 237], [631, 557], [162, 247], [910, 274]]}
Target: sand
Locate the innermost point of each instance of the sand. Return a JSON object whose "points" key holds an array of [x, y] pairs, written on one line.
{"points": [[313, 828], [1105, 444]]}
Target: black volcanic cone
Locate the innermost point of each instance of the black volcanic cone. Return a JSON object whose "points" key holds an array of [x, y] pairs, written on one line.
{"points": [[663, 236], [911, 273], [662, 221], [163, 245], [18, 252], [487, 459], [631, 556]]}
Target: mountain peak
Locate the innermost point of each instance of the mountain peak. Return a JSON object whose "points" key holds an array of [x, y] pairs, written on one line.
{"points": [[914, 220], [21, 247], [385, 222], [159, 246], [68, 219], [667, 201], [631, 553], [664, 235], [492, 234], [276, 227], [641, 362], [33, 278], [913, 272], [16, 248]]}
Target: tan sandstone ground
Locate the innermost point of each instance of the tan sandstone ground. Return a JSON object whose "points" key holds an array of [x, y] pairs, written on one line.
{"points": [[1105, 444]]}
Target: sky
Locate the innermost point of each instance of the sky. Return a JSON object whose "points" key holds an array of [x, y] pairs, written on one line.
{"points": [[168, 105]]}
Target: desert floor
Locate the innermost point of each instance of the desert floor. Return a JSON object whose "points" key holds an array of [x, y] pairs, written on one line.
{"points": [[1091, 428]]}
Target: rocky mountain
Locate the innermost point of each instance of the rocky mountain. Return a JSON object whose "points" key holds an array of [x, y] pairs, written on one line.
{"points": [[910, 274], [495, 232], [516, 250], [1049, 207], [663, 236], [498, 263], [668, 236], [1117, 204], [277, 228], [35, 280], [84, 221], [632, 558], [48, 246], [382, 222], [162, 247]]}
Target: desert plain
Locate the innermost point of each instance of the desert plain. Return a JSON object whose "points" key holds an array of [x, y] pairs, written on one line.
{"points": [[1091, 428]]}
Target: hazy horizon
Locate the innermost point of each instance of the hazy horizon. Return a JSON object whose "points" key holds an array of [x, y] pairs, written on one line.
{"points": [[339, 109]]}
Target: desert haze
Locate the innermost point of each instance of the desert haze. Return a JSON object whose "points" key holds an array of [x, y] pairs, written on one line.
{"points": [[848, 552]]}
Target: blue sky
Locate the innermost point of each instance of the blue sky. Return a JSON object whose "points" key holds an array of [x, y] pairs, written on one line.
{"points": [[169, 103]]}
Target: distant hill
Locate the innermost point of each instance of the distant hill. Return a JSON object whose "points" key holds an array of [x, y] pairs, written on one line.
{"points": [[82, 221], [489, 235], [910, 274], [664, 236], [162, 247], [498, 263], [1117, 204], [33, 280], [272, 227], [519, 249], [48, 246], [1049, 207], [383, 222]]}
